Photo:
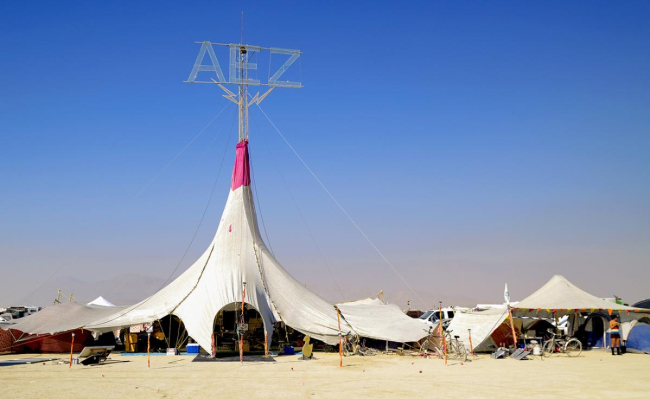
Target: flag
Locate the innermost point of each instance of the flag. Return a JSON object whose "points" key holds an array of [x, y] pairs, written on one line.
{"points": [[506, 294]]}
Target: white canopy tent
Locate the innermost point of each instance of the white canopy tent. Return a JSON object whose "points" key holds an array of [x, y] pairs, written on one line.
{"points": [[560, 297], [238, 261], [101, 301]]}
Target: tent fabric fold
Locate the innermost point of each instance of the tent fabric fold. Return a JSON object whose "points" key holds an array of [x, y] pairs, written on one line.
{"points": [[482, 324], [374, 319], [60, 318]]}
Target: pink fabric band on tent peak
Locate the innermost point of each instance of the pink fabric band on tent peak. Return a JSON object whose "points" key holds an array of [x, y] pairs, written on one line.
{"points": [[241, 173]]}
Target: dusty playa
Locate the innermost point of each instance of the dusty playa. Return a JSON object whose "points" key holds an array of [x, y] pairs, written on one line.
{"points": [[595, 374]]}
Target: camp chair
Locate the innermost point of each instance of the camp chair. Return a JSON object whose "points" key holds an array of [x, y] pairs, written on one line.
{"points": [[307, 349], [95, 354]]}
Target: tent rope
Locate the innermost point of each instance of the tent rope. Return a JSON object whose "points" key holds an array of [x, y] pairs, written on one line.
{"points": [[304, 220], [341, 207], [181, 151]]}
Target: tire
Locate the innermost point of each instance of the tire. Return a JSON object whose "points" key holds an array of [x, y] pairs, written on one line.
{"points": [[424, 346], [347, 349], [368, 352], [438, 352], [573, 347], [548, 348], [462, 353]]}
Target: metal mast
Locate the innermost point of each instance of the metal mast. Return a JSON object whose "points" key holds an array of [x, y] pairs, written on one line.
{"points": [[243, 94], [240, 64]]}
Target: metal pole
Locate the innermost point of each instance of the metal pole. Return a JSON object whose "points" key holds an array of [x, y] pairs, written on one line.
{"points": [[266, 344], [148, 349], [71, 346], [471, 348], [444, 339], [241, 326], [338, 315], [512, 326]]}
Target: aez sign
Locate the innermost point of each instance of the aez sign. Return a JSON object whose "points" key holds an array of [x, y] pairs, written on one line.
{"points": [[240, 65]]}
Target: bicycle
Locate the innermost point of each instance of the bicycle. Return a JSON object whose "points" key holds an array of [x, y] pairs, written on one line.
{"points": [[352, 345], [432, 344], [572, 347], [365, 351], [455, 348]]}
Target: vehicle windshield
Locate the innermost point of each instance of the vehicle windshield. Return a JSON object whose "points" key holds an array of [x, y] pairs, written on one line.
{"points": [[430, 314], [426, 314]]}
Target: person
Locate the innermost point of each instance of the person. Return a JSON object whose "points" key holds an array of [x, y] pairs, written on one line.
{"points": [[615, 334]]}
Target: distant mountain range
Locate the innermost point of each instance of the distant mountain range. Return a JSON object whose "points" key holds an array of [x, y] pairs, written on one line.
{"points": [[123, 289], [128, 289]]}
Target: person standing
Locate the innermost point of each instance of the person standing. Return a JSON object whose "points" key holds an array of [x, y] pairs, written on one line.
{"points": [[615, 334]]}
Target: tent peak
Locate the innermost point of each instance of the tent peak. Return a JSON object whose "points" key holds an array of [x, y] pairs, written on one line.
{"points": [[241, 172]]}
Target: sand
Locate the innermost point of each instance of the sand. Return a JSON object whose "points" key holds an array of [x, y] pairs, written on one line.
{"points": [[595, 374]]}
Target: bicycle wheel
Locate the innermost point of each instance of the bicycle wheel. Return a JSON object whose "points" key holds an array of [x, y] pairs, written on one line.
{"points": [[573, 347], [462, 353], [347, 349], [548, 348], [452, 350], [438, 352], [368, 352], [424, 346]]}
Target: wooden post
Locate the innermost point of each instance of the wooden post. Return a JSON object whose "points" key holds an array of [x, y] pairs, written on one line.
{"points": [[71, 346]]}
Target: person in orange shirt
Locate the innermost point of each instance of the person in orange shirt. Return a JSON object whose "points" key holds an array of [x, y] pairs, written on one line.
{"points": [[615, 334]]}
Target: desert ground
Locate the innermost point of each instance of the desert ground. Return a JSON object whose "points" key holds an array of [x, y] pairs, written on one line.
{"points": [[595, 374]]}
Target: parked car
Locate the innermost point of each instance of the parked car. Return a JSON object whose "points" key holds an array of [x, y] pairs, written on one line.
{"points": [[432, 317]]}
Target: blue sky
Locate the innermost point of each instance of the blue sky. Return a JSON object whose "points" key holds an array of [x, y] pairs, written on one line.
{"points": [[476, 143]]}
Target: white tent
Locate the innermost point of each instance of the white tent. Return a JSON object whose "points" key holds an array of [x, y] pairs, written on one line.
{"points": [[482, 324], [237, 260], [560, 297], [101, 301]]}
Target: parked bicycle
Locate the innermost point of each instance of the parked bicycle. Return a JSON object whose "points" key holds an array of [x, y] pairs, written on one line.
{"points": [[555, 344], [434, 344], [455, 348], [353, 345]]}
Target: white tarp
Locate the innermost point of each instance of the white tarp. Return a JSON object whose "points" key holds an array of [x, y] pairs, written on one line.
{"points": [[59, 318], [481, 322], [374, 319]]}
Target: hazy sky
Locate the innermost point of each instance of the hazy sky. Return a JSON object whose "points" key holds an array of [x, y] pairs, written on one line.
{"points": [[475, 143]]}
